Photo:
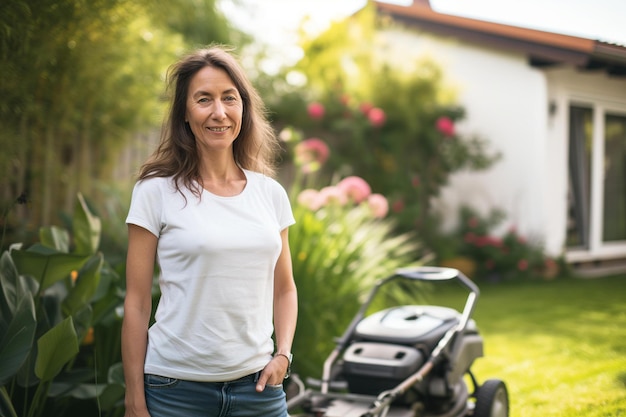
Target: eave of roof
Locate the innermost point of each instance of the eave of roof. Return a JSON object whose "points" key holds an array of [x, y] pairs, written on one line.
{"points": [[542, 48]]}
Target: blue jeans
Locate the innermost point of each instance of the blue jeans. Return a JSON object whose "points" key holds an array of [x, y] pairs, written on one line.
{"points": [[170, 397]]}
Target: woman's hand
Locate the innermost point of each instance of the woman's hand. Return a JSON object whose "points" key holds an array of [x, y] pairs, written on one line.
{"points": [[273, 373]]}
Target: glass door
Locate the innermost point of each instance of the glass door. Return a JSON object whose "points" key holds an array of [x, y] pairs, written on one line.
{"points": [[597, 179], [614, 218]]}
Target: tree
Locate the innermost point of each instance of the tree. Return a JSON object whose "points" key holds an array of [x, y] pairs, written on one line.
{"points": [[80, 80]]}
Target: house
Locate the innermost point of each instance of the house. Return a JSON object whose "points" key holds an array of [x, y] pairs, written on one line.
{"points": [[554, 106]]}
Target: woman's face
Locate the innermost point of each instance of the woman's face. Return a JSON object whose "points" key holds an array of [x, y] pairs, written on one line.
{"points": [[214, 109]]}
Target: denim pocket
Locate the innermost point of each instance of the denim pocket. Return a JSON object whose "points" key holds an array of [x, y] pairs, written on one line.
{"points": [[158, 381]]}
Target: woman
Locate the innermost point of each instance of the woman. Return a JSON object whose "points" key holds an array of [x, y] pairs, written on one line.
{"points": [[207, 210]]}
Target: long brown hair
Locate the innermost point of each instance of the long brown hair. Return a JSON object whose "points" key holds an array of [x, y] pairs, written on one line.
{"points": [[176, 156]]}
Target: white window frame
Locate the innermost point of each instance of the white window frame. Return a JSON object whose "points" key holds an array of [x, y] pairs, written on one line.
{"points": [[597, 249]]}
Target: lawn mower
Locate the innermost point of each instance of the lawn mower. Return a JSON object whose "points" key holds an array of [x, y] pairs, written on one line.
{"points": [[404, 361]]}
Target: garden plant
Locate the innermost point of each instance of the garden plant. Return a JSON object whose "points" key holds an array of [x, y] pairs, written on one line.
{"points": [[60, 324], [342, 242]]}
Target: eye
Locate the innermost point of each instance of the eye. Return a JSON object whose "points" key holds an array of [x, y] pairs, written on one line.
{"points": [[203, 100], [230, 98]]}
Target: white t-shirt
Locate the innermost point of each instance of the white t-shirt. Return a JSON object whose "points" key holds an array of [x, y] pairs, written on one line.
{"points": [[217, 257]]}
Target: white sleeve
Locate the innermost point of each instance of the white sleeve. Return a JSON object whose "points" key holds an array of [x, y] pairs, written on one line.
{"points": [[284, 212], [146, 206]]}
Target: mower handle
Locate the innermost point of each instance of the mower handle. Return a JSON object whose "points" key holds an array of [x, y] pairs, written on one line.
{"points": [[426, 273], [436, 273]]}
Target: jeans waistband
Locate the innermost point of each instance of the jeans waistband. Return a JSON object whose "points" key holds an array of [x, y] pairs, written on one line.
{"points": [[248, 378]]}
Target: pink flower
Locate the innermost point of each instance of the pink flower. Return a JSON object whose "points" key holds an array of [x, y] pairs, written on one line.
{"points": [[397, 206], [332, 195], [365, 108], [377, 117], [310, 198], [355, 188], [311, 154], [316, 110], [445, 126], [378, 204], [415, 181], [482, 241], [522, 265]]}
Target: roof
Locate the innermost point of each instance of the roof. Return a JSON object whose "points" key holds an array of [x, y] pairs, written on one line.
{"points": [[542, 48]]}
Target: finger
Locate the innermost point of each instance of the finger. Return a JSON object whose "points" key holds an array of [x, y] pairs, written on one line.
{"points": [[260, 385]]}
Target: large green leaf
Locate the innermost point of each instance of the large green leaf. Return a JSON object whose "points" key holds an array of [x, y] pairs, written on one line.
{"points": [[86, 228], [116, 374], [56, 348], [47, 268], [83, 320], [109, 277], [8, 289], [80, 391], [55, 237], [17, 322], [105, 310], [114, 393], [6, 407], [110, 394], [16, 343], [86, 285]]}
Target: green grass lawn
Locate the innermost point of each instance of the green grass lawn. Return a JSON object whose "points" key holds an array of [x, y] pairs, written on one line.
{"points": [[560, 346]]}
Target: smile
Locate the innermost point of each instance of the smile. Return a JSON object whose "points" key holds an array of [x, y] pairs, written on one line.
{"points": [[218, 129]]}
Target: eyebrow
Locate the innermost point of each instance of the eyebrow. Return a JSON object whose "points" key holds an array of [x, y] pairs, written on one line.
{"points": [[206, 93]]}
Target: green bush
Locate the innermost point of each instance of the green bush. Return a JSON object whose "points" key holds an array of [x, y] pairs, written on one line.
{"points": [[338, 255]]}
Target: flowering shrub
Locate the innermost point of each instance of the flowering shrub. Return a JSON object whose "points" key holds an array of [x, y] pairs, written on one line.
{"points": [[342, 243], [396, 143], [395, 126], [510, 255]]}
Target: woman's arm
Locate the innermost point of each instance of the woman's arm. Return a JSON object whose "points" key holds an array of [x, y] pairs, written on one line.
{"points": [[285, 315], [140, 262]]}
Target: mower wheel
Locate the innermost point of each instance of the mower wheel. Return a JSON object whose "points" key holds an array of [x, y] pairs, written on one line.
{"points": [[492, 399]]}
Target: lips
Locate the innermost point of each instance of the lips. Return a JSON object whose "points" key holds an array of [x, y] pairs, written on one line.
{"points": [[219, 129]]}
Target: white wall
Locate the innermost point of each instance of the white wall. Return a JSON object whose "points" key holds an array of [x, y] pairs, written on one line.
{"points": [[507, 104]]}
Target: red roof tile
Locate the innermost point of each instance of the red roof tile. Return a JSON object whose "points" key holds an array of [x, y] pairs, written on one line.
{"points": [[542, 48]]}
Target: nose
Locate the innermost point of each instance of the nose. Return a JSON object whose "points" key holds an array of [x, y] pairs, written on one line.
{"points": [[218, 110]]}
